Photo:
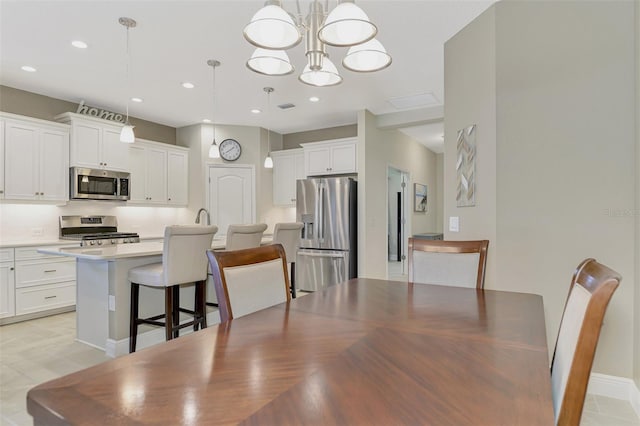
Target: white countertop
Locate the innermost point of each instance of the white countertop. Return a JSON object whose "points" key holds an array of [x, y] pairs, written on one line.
{"points": [[34, 242], [122, 251]]}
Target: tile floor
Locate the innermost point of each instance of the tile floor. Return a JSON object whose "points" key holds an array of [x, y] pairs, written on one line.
{"points": [[35, 351]]}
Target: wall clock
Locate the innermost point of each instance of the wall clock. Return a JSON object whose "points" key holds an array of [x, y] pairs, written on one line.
{"points": [[230, 149]]}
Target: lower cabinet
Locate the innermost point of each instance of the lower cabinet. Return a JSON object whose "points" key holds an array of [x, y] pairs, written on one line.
{"points": [[33, 283]]}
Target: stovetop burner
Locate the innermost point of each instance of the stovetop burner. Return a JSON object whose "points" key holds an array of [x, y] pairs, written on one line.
{"points": [[94, 230]]}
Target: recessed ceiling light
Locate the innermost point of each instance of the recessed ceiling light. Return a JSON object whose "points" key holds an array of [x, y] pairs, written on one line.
{"points": [[314, 99], [79, 44], [256, 111], [206, 120], [28, 68], [188, 85], [136, 99]]}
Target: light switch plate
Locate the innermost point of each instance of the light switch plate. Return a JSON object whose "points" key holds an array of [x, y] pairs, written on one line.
{"points": [[454, 224], [112, 303]]}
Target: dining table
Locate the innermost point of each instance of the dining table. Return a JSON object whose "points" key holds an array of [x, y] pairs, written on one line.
{"points": [[363, 352]]}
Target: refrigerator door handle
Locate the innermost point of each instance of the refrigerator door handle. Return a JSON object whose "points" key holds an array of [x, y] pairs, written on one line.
{"points": [[302, 253], [322, 209]]}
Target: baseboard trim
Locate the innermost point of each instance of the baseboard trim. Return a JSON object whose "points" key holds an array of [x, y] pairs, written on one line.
{"points": [[615, 387], [115, 348]]}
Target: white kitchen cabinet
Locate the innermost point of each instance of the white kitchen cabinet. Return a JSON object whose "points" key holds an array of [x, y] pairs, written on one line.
{"points": [[36, 160], [288, 166], [43, 282], [159, 173], [331, 157], [148, 168], [95, 143], [7, 286], [177, 178], [2, 158]]}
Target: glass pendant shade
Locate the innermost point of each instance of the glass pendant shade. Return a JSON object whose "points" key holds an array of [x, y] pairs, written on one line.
{"points": [[268, 162], [367, 57], [270, 62], [325, 76], [272, 28], [347, 25], [214, 151], [126, 134]]}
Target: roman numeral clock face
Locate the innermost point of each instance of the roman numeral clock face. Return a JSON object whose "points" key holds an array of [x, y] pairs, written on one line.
{"points": [[230, 149]]}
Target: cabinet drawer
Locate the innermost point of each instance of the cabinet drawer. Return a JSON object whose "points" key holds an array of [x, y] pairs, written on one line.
{"points": [[48, 296], [24, 253], [6, 255], [37, 272]]}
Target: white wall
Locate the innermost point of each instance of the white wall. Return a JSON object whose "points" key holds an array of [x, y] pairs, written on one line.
{"points": [[637, 210], [549, 85], [377, 150]]}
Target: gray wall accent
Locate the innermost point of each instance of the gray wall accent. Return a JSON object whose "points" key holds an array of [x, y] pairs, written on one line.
{"points": [[21, 102], [293, 140], [555, 110]]}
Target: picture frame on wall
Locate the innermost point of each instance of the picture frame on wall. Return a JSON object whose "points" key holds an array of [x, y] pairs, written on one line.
{"points": [[420, 198]]}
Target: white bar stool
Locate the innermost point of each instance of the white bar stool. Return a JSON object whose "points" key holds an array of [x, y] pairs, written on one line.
{"points": [[244, 236], [184, 261], [288, 234]]}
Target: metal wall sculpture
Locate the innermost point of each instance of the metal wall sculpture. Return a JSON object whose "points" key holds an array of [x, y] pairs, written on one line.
{"points": [[466, 167]]}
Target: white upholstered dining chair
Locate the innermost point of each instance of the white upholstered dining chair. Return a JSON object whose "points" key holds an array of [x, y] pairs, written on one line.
{"points": [[590, 291], [249, 280], [288, 234], [443, 262], [244, 236], [184, 261]]}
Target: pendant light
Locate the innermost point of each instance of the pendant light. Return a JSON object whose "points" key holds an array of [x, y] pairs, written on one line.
{"points": [[272, 28], [214, 151], [126, 134], [268, 162]]}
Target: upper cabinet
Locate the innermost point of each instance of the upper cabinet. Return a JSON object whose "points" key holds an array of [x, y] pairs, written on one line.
{"points": [[288, 166], [331, 157], [159, 173], [95, 143], [36, 159]]}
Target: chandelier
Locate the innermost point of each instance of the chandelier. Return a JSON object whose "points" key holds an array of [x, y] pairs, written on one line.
{"points": [[273, 30]]}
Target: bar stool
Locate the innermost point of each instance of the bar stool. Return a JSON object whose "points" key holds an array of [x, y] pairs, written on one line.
{"points": [[184, 261], [244, 236], [288, 234]]}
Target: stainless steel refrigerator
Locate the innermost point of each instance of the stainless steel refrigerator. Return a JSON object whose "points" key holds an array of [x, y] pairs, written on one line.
{"points": [[328, 209]]}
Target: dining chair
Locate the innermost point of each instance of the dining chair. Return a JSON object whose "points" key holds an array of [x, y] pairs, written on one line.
{"points": [[288, 234], [184, 261], [590, 291], [249, 280], [443, 262], [244, 236]]}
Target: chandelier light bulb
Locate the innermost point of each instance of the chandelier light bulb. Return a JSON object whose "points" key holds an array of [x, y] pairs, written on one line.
{"points": [[270, 62], [272, 28], [347, 25], [326, 76], [367, 57]]}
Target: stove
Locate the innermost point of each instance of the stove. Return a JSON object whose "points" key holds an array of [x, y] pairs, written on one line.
{"points": [[95, 231]]}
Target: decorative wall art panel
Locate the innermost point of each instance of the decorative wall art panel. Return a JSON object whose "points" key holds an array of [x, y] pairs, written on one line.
{"points": [[466, 167], [420, 197]]}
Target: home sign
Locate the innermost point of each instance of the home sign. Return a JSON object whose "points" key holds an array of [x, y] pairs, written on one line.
{"points": [[99, 113]]}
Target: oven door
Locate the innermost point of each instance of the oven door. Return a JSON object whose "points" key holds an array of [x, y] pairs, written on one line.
{"points": [[92, 184]]}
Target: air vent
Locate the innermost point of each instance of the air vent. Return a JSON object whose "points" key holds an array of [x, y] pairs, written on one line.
{"points": [[286, 106]]}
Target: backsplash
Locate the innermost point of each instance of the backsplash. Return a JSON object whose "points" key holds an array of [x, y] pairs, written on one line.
{"points": [[40, 222]]}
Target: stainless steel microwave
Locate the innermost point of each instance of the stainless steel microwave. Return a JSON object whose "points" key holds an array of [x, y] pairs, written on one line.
{"points": [[98, 184]]}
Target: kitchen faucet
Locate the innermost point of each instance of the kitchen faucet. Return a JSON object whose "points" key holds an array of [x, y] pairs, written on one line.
{"points": [[202, 209]]}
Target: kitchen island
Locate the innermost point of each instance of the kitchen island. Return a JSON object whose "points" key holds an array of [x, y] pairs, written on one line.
{"points": [[103, 293]]}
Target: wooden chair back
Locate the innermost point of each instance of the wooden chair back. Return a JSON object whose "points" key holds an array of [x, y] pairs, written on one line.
{"points": [[249, 280], [454, 263], [590, 291]]}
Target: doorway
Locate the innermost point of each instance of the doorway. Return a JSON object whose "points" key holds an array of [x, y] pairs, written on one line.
{"points": [[397, 223], [231, 195]]}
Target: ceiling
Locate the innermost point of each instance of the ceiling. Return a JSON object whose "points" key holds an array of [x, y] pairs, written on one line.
{"points": [[174, 39]]}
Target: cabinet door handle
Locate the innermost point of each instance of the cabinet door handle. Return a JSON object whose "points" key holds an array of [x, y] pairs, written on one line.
{"points": [[50, 297], [51, 270]]}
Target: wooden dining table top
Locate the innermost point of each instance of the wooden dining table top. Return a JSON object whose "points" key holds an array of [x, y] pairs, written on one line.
{"points": [[365, 352]]}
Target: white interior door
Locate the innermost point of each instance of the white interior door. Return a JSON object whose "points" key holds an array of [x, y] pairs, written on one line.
{"points": [[231, 196]]}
